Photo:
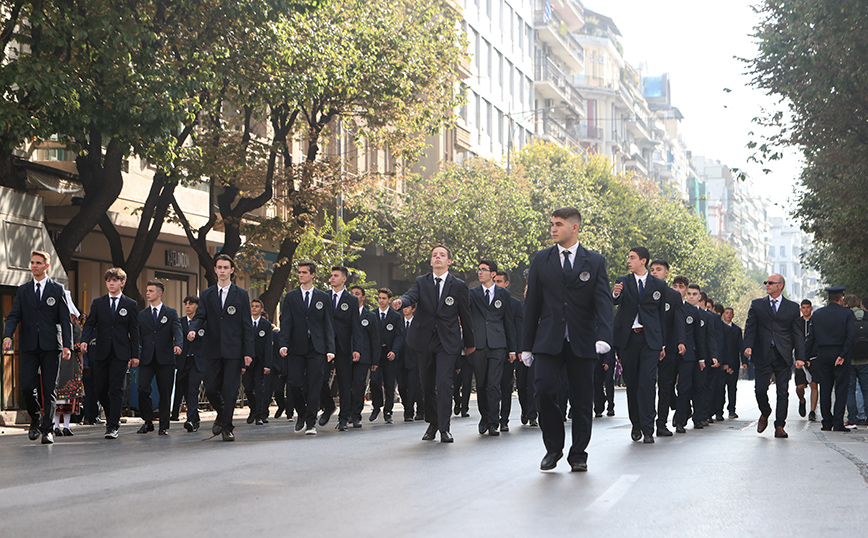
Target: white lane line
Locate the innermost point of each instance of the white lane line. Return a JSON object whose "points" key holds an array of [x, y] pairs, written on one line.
{"points": [[612, 495], [749, 426]]}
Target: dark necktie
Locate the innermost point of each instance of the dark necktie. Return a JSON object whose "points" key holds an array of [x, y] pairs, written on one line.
{"points": [[641, 291], [255, 324], [155, 316], [437, 286], [383, 318], [334, 301], [775, 306], [114, 304], [38, 295], [221, 297], [407, 327], [307, 300], [568, 268], [487, 298]]}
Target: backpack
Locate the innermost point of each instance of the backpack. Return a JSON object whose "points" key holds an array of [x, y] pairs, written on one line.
{"points": [[860, 343]]}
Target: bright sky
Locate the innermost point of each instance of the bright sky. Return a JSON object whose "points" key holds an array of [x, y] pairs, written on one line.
{"points": [[696, 42]]}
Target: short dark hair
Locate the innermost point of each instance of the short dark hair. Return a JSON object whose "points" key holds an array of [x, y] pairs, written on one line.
{"points": [[728, 308], [357, 287], [311, 267], [709, 301], [703, 297], [718, 308], [492, 265], [681, 279], [387, 291], [444, 247], [504, 274], [257, 301], [835, 296], [806, 302], [851, 301], [342, 269], [643, 253], [694, 287], [156, 284], [192, 299], [664, 263], [567, 213], [116, 273], [225, 257]]}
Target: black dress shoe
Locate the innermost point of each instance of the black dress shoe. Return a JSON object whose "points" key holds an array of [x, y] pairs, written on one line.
{"points": [[408, 419], [388, 419], [598, 415], [228, 436], [680, 429], [420, 417], [698, 426], [464, 413], [430, 433], [174, 418], [374, 414], [279, 412], [504, 427], [842, 429], [533, 423], [67, 432], [492, 430], [446, 437], [250, 419], [649, 439], [825, 428], [190, 427], [719, 417], [636, 434], [265, 420], [216, 429], [357, 423], [259, 422], [709, 420], [162, 432], [610, 413], [550, 461], [325, 417], [483, 427], [58, 432], [342, 425], [48, 438], [579, 467], [145, 428], [803, 409], [33, 433], [299, 424], [663, 431], [523, 419], [457, 409], [733, 415]]}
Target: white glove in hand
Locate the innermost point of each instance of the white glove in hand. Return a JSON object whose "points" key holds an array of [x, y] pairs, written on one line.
{"points": [[527, 358], [603, 347]]}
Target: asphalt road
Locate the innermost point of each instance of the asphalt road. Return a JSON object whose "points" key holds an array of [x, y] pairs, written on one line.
{"points": [[382, 480]]}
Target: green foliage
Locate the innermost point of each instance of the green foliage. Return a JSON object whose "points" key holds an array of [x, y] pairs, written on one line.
{"points": [[812, 56]]}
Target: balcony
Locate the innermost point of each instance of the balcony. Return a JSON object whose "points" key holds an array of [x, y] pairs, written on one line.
{"points": [[596, 83], [637, 164], [590, 132], [639, 128], [462, 139], [554, 131], [552, 83], [562, 43]]}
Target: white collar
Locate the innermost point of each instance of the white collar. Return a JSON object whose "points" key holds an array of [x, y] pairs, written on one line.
{"points": [[224, 288], [256, 319], [443, 276], [304, 290], [158, 307], [335, 292], [408, 320], [386, 311], [489, 288], [643, 278], [118, 296], [572, 250], [43, 281]]}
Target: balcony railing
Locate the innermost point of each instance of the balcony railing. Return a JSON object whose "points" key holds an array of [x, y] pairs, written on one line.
{"points": [[557, 28], [547, 71], [592, 132], [596, 82], [557, 131]]}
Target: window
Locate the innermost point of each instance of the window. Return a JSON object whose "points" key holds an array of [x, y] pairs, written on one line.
{"points": [[509, 20], [783, 251], [771, 252], [474, 42], [488, 58], [783, 270], [500, 70]]}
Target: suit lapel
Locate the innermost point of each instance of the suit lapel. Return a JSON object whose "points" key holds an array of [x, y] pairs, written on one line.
{"points": [[578, 262], [555, 260], [447, 286], [230, 295]]}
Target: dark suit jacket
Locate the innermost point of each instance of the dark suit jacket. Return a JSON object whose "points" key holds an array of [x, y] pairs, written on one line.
{"points": [[441, 314], [832, 325], [709, 326], [651, 308], [40, 320], [408, 356], [297, 321], [369, 335], [733, 344], [159, 341], [262, 343], [278, 363], [346, 322], [517, 309], [785, 328], [107, 330], [493, 323], [228, 329], [583, 303], [694, 335], [189, 348], [675, 329], [391, 335]]}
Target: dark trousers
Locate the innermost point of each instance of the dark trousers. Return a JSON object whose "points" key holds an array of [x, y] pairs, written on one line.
{"points": [[666, 374], [731, 383], [305, 382], [410, 389], [165, 375], [383, 383], [773, 363], [89, 402], [462, 383], [604, 387], [343, 365], [688, 374], [32, 365], [108, 380], [832, 379], [187, 383], [222, 379], [507, 386], [253, 380], [436, 370], [182, 378], [360, 377], [488, 368], [718, 390], [580, 378], [700, 392], [276, 385], [640, 375], [524, 380]]}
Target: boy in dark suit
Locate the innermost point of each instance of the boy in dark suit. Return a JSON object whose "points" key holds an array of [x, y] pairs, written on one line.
{"points": [[256, 376], [368, 358], [391, 343], [113, 325], [191, 366], [40, 308], [161, 340]]}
